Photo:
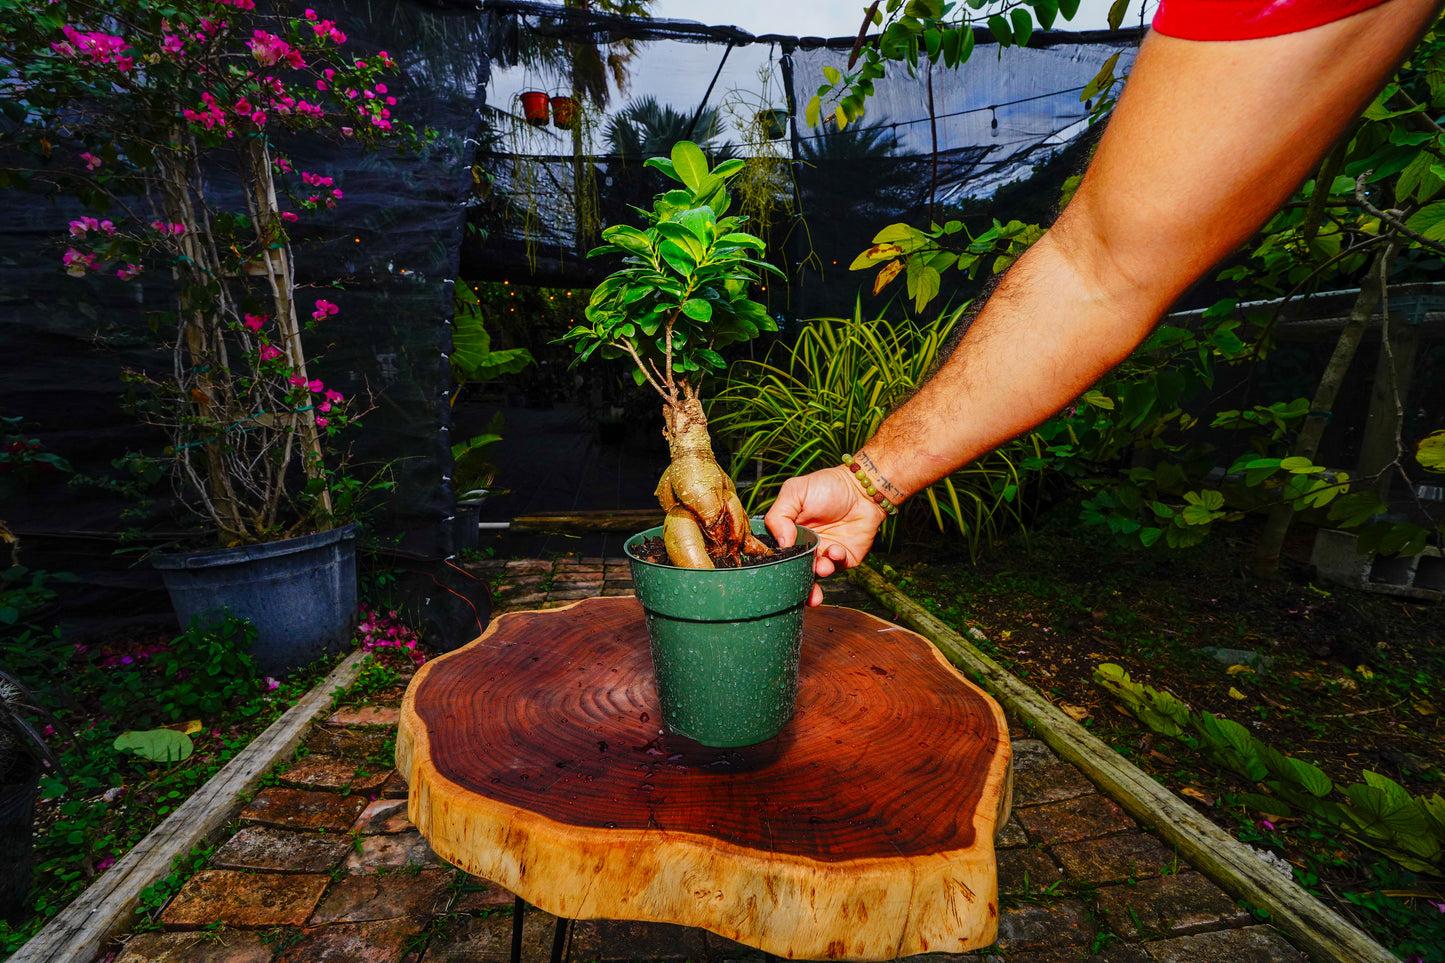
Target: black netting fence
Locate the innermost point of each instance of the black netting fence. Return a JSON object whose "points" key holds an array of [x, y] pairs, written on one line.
{"points": [[934, 144]]}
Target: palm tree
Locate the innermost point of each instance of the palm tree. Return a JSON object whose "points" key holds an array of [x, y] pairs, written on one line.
{"points": [[645, 128]]}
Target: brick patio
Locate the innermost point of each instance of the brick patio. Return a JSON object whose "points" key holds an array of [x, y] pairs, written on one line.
{"points": [[324, 866]]}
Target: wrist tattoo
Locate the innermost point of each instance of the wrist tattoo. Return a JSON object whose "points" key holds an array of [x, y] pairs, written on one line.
{"points": [[894, 493]]}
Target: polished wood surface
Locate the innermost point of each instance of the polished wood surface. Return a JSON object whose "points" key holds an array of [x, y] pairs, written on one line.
{"points": [[864, 831]]}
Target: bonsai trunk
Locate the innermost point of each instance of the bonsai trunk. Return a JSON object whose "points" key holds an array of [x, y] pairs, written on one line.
{"points": [[705, 520]]}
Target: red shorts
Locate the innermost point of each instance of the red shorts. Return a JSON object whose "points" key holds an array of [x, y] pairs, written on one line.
{"points": [[1249, 19]]}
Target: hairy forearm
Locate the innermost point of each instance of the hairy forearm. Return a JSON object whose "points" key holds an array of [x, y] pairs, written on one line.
{"points": [[1053, 327], [1207, 141]]}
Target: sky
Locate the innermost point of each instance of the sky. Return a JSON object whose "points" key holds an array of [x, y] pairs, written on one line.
{"points": [[835, 18]]}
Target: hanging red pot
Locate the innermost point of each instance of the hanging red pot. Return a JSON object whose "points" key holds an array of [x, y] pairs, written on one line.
{"points": [[534, 107], [564, 112]]}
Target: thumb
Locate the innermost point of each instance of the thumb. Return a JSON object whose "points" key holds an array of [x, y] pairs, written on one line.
{"points": [[781, 519]]}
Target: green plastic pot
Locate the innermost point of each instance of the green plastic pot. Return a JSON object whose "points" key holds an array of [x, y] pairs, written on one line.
{"points": [[725, 642]]}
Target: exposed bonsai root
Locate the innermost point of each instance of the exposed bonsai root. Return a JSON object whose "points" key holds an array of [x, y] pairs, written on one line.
{"points": [[705, 520]]}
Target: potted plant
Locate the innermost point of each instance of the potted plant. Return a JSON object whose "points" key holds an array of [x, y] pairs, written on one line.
{"points": [[24, 758], [534, 107], [161, 121], [724, 610]]}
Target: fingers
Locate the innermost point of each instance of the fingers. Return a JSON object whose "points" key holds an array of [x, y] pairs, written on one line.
{"points": [[816, 597], [781, 518]]}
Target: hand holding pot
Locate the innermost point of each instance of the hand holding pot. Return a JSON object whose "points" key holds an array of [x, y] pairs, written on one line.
{"points": [[831, 503]]}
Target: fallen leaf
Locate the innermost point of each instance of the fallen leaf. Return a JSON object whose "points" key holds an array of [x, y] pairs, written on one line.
{"points": [[193, 726], [1193, 792], [1235, 693], [1077, 713], [1121, 710], [1237, 669], [1426, 708], [1363, 671]]}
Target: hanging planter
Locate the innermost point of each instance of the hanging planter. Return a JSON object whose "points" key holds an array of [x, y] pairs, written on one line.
{"points": [[773, 122], [534, 107], [564, 112]]}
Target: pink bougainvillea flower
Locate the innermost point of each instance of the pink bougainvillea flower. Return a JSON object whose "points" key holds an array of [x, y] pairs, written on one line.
{"points": [[324, 310], [128, 272], [282, 164], [173, 44], [346, 132], [76, 263], [321, 85], [268, 353], [321, 422], [297, 380], [289, 216], [91, 161], [324, 406], [269, 50], [254, 321], [334, 396], [381, 88], [271, 684], [80, 226], [336, 193], [316, 386]]}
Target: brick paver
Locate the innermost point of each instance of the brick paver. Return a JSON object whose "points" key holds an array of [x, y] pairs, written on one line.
{"points": [[361, 899], [327, 867], [221, 946], [282, 851], [304, 809], [244, 899]]}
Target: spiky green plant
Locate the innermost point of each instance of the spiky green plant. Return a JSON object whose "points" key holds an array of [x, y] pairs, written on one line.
{"points": [[806, 405]]}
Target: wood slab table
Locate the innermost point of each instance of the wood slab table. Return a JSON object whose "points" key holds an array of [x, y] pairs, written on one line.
{"points": [[536, 759]]}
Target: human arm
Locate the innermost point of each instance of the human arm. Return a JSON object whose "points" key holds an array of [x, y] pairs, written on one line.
{"points": [[1208, 139]]}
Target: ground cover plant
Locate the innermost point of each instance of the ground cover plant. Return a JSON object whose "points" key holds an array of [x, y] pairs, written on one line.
{"points": [[1344, 681], [195, 694]]}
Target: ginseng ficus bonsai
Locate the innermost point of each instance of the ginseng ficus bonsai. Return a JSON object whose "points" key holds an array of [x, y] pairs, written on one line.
{"points": [[683, 295]]}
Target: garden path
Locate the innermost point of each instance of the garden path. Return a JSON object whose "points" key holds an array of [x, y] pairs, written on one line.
{"points": [[324, 866]]}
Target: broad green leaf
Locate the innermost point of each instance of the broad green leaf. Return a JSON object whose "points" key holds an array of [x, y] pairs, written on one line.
{"points": [[156, 745], [690, 163], [729, 167], [813, 115], [697, 309], [1046, 11], [1430, 453], [833, 75], [1116, 13], [999, 27], [1068, 8], [664, 165], [1023, 25], [1429, 221]]}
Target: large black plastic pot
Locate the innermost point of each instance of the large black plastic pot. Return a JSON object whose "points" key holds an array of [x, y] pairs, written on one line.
{"points": [[725, 642], [299, 593], [17, 817]]}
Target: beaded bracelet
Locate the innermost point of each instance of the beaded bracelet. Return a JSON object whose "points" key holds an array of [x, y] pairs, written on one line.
{"points": [[872, 491]]}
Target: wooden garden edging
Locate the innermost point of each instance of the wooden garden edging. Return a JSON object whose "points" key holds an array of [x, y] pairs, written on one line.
{"points": [[79, 931], [1315, 928]]}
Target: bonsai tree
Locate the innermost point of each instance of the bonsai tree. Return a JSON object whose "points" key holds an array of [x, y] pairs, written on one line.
{"points": [[681, 297]]}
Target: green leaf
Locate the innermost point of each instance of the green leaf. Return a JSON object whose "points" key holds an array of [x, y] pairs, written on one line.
{"points": [[1068, 8], [1429, 221], [1023, 25], [690, 163], [664, 165], [813, 115], [999, 27], [1046, 11], [834, 77], [1430, 452], [156, 745], [697, 309], [1116, 13]]}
